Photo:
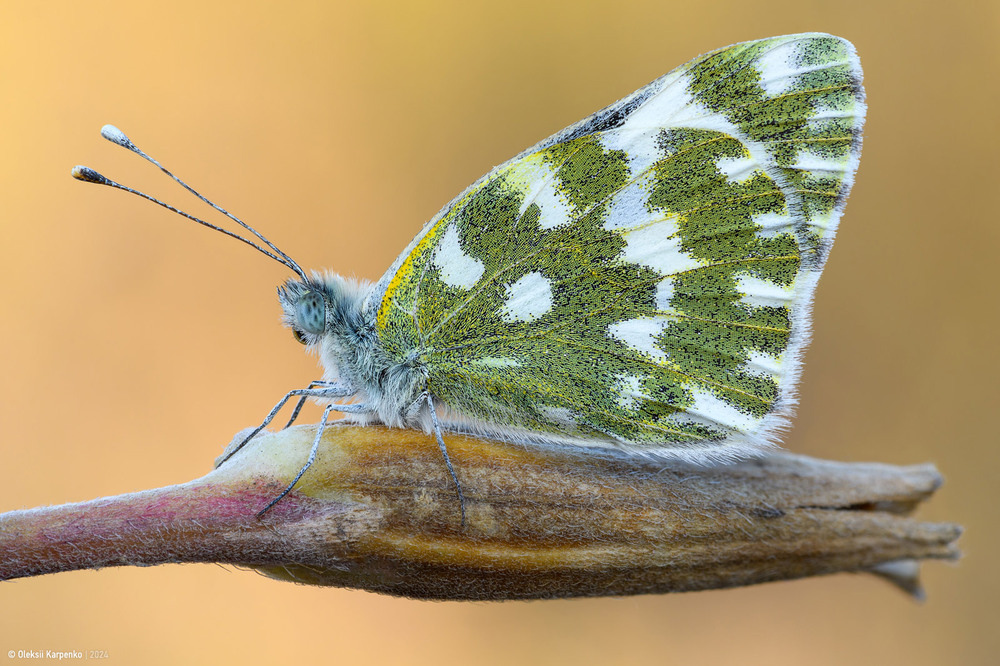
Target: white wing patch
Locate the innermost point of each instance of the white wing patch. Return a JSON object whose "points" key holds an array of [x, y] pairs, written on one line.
{"points": [[674, 106], [528, 298], [779, 68], [759, 363], [555, 211], [807, 160], [497, 362], [664, 293], [671, 103], [762, 293], [738, 169], [537, 180], [714, 410], [774, 224], [629, 392], [777, 73], [627, 208], [656, 246], [638, 144], [825, 114], [458, 269], [640, 334]]}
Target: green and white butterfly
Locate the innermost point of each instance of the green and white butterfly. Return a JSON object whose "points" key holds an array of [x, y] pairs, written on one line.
{"points": [[639, 283]]}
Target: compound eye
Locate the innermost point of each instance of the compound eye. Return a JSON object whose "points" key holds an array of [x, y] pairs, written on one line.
{"points": [[299, 336], [310, 313]]}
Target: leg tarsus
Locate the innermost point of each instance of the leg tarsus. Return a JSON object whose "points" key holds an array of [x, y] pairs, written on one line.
{"points": [[309, 462], [447, 460]]}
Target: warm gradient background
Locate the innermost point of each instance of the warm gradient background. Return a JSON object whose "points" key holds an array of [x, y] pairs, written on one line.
{"points": [[133, 344]]}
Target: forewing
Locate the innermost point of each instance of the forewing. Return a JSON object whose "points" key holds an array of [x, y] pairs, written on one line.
{"points": [[642, 280]]}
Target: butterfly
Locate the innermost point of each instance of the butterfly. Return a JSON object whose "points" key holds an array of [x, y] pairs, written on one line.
{"points": [[638, 284]]}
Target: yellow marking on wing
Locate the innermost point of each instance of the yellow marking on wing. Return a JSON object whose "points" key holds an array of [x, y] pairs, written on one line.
{"points": [[407, 266]]}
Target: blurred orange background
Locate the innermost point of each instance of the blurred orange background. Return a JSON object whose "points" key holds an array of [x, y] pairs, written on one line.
{"points": [[133, 345]]}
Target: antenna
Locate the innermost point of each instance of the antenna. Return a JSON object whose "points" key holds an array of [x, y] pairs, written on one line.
{"points": [[115, 135]]}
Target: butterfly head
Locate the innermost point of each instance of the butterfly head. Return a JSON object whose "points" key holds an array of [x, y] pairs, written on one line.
{"points": [[322, 305], [306, 304]]}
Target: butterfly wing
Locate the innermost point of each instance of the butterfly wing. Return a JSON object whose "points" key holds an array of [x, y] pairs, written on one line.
{"points": [[642, 280]]}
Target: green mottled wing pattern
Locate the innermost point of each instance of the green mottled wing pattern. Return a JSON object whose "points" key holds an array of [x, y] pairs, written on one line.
{"points": [[642, 280]]}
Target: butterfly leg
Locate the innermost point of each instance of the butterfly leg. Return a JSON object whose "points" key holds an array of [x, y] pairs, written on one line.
{"points": [[332, 391], [444, 452], [309, 462], [302, 400], [315, 448]]}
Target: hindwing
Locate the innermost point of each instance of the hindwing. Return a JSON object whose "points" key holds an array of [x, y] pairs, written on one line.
{"points": [[642, 280]]}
